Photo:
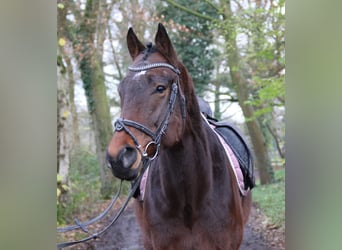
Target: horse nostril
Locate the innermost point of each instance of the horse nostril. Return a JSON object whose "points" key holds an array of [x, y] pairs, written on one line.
{"points": [[109, 160], [127, 156], [125, 159]]}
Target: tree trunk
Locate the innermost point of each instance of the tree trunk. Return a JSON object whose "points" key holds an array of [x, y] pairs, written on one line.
{"points": [[259, 145], [63, 126], [277, 140], [75, 128], [102, 125], [257, 138], [217, 111], [87, 37], [90, 63], [63, 109]]}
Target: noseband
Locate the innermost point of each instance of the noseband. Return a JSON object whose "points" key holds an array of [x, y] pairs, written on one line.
{"points": [[123, 124]]}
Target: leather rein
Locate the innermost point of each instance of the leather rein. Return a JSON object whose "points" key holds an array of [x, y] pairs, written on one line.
{"points": [[123, 124]]}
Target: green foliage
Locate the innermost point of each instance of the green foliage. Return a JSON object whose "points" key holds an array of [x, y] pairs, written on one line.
{"points": [[84, 177], [265, 54], [280, 175], [271, 199], [270, 92]]}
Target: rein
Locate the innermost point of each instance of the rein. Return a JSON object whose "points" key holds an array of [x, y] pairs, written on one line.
{"points": [[96, 235]]}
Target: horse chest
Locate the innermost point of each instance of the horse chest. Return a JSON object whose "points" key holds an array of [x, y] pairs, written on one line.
{"points": [[181, 232]]}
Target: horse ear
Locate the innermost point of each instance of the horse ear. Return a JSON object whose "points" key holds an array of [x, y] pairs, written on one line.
{"points": [[133, 43], [164, 45]]}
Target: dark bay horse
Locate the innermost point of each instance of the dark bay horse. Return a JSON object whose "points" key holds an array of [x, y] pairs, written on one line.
{"points": [[191, 200]]}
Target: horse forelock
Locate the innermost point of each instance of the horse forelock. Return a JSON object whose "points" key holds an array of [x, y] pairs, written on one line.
{"points": [[150, 48]]}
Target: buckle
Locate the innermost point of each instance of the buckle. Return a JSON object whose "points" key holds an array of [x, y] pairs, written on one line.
{"points": [[151, 150]]}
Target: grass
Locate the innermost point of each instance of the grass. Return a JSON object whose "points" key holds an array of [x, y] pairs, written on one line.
{"points": [[271, 199]]}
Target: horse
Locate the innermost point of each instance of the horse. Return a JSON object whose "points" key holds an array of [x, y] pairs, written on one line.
{"points": [[191, 198]]}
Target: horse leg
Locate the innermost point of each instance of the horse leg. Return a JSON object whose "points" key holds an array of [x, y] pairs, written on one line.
{"points": [[246, 206], [143, 225]]}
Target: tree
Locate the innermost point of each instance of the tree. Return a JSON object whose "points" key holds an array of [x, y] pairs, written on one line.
{"points": [[75, 127], [227, 25], [87, 34], [64, 50], [242, 88], [64, 117], [266, 63]]}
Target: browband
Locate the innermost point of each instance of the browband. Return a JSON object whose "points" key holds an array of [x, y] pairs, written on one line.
{"points": [[154, 65]]}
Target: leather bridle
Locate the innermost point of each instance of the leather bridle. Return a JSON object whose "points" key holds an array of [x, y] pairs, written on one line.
{"points": [[124, 124]]}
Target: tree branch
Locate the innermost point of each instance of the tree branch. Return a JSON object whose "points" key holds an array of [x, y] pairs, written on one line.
{"points": [[114, 55], [213, 5], [277, 141], [192, 12], [232, 99]]}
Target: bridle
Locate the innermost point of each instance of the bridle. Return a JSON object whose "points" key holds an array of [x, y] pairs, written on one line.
{"points": [[124, 124]]}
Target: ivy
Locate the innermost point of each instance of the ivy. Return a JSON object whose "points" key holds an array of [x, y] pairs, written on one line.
{"points": [[87, 83]]}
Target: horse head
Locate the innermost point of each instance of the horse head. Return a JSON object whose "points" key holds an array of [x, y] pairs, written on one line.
{"points": [[153, 108]]}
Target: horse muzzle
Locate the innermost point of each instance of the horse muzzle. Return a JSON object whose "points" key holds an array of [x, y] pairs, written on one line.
{"points": [[122, 165]]}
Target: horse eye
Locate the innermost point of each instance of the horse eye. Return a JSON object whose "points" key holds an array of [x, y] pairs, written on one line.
{"points": [[160, 88]]}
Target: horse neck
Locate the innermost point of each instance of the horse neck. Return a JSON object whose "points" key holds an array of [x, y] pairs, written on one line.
{"points": [[185, 169]]}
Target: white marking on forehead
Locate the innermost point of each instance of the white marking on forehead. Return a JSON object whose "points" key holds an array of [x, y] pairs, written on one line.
{"points": [[139, 74]]}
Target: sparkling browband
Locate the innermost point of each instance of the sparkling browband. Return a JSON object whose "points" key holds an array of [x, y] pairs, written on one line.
{"points": [[154, 65]]}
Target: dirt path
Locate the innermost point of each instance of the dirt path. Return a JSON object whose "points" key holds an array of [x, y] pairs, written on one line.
{"points": [[125, 235]]}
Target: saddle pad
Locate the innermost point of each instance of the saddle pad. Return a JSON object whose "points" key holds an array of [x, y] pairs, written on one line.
{"points": [[142, 185], [234, 163], [237, 143]]}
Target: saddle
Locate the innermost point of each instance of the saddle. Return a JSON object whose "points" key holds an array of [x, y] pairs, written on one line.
{"points": [[233, 137]]}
